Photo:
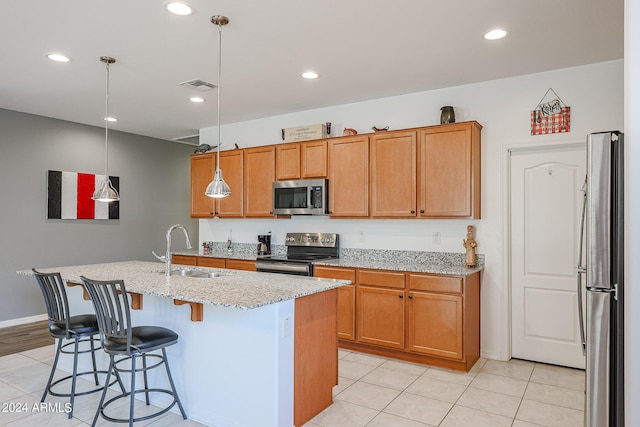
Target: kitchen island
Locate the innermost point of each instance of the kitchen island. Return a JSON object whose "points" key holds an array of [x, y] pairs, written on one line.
{"points": [[262, 350]]}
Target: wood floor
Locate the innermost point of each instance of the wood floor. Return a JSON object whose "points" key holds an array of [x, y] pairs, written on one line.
{"points": [[15, 339]]}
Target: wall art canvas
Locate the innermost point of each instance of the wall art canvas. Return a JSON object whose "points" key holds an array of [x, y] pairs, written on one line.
{"points": [[69, 196]]}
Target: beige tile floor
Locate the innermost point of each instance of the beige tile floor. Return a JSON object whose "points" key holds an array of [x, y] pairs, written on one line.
{"points": [[373, 392], [379, 392]]}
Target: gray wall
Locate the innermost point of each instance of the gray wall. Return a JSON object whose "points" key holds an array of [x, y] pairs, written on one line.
{"points": [[154, 183]]}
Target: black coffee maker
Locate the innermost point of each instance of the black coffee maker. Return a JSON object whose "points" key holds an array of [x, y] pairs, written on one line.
{"points": [[264, 244]]}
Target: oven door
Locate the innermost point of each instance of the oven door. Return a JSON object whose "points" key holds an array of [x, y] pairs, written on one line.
{"points": [[296, 268]]}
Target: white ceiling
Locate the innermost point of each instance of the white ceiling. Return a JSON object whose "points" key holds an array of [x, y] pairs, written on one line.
{"points": [[363, 49]]}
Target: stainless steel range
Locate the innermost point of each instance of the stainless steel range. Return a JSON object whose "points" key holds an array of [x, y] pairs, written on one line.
{"points": [[302, 250]]}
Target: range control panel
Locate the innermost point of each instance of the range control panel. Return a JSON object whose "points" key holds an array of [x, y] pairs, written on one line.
{"points": [[326, 240]]}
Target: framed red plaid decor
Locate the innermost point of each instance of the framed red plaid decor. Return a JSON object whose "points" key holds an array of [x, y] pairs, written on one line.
{"points": [[550, 117]]}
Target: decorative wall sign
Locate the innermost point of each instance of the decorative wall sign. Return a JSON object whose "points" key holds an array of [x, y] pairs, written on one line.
{"points": [[69, 196], [550, 117]]}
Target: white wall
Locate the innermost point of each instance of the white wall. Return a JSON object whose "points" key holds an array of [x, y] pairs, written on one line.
{"points": [[503, 107]]}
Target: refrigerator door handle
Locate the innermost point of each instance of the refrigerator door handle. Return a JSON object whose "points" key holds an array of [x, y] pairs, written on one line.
{"points": [[582, 270]]}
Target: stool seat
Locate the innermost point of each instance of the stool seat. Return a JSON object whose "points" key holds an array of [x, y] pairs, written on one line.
{"points": [[80, 325], [143, 339]]}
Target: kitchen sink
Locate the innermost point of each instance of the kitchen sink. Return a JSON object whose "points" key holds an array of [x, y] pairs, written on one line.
{"points": [[199, 274]]}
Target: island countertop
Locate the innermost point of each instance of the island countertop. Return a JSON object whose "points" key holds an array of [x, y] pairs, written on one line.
{"points": [[239, 289]]}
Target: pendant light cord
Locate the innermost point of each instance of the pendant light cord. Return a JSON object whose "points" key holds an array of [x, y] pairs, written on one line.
{"points": [[219, 73], [106, 127]]}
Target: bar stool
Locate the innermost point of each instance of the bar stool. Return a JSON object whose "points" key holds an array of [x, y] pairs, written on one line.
{"points": [[119, 338], [80, 328]]}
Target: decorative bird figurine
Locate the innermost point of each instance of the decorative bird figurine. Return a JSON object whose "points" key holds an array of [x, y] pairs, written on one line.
{"points": [[202, 148]]}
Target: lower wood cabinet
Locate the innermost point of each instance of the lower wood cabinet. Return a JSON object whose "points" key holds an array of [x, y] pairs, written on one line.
{"points": [[203, 261], [211, 262], [380, 316], [240, 264], [346, 299], [184, 259], [443, 313], [418, 317]]}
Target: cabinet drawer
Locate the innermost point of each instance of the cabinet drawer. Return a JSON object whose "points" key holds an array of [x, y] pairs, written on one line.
{"points": [[381, 278], [334, 273], [211, 262], [452, 285], [183, 259], [240, 264]]}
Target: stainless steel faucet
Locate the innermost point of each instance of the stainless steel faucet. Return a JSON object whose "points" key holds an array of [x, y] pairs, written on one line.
{"points": [[167, 257]]}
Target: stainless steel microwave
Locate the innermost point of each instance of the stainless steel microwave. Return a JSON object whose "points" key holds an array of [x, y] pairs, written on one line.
{"points": [[301, 197]]}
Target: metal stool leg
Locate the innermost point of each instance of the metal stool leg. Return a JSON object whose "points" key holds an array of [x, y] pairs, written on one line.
{"points": [[93, 360], [144, 372], [104, 391], [173, 387], [73, 376], [53, 370], [132, 398]]}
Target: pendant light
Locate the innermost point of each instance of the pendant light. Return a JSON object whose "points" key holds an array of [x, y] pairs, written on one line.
{"points": [[106, 192], [218, 188]]}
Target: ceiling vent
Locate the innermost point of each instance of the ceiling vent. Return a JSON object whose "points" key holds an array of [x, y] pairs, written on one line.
{"points": [[199, 85], [189, 139]]}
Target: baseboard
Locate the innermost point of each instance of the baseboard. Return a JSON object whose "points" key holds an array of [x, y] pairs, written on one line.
{"points": [[493, 356], [22, 320]]}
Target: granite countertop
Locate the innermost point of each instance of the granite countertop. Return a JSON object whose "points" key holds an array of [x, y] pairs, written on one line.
{"points": [[239, 289], [434, 268]]}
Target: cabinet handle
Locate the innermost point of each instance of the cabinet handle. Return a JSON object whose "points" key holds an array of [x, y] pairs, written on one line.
{"points": [[401, 296]]}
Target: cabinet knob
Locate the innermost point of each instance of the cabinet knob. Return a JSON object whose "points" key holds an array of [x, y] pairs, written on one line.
{"points": [[421, 210], [401, 296], [410, 296], [413, 212]]}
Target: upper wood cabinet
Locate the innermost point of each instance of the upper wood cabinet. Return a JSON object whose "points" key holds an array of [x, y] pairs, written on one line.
{"points": [[349, 176], [232, 167], [449, 171], [259, 174], [393, 174], [302, 160], [288, 161], [202, 168], [313, 159]]}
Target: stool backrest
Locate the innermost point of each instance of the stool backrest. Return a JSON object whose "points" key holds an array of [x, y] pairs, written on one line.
{"points": [[111, 303], [55, 298]]}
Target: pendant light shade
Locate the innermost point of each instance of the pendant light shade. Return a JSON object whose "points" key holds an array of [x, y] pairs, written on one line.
{"points": [[218, 188], [106, 192]]}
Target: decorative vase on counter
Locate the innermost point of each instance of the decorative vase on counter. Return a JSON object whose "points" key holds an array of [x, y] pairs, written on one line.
{"points": [[447, 115]]}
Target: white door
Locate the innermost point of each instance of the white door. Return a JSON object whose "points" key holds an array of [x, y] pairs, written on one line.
{"points": [[546, 204]]}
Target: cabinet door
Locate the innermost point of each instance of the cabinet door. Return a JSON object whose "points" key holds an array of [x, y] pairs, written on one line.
{"points": [[393, 174], [349, 177], [232, 167], [435, 324], [313, 159], [346, 299], [240, 264], [380, 316], [449, 171], [288, 161], [202, 168], [259, 174]]}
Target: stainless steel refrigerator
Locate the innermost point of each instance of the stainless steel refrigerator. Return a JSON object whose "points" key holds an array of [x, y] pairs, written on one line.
{"points": [[603, 265]]}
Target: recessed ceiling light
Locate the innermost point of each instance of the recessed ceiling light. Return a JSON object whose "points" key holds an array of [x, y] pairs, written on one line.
{"points": [[196, 99], [58, 57], [310, 75], [111, 119], [178, 8], [495, 34]]}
